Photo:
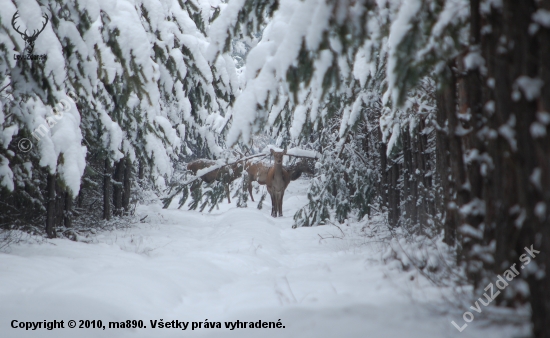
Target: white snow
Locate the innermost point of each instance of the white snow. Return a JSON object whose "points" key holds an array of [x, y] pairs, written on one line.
{"points": [[302, 152], [536, 178], [228, 265], [7, 135], [540, 211], [530, 86], [543, 117], [6, 175], [507, 131], [474, 60], [470, 231], [538, 130], [542, 17], [394, 137], [300, 116], [399, 29], [143, 30]]}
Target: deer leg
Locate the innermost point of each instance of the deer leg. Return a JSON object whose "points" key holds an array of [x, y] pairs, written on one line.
{"points": [[277, 204], [281, 204], [273, 205], [228, 193], [271, 196], [250, 188]]}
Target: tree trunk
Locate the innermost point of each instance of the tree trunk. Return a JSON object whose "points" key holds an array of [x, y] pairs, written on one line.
{"points": [[127, 185], [542, 148], [410, 187], [107, 190], [383, 171], [534, 229], [141, 173], [500, 189], [446, 104], [512, 144], [424, 174], [394, 196], [59, 205], [50, 206], [470, 122], [68, 212], [118, 187]]}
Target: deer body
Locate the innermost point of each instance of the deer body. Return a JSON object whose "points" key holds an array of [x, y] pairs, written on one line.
{"points": [[226, 174], [296, 170], [256, 172], [277, 181]]}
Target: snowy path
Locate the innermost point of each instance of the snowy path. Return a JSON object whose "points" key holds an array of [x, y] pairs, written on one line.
{"points": [[228, 265]]}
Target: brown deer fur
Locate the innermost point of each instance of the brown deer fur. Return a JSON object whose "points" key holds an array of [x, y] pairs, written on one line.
{"points": [[277, 181], [226, 174], [296, 170], [256, 172]]}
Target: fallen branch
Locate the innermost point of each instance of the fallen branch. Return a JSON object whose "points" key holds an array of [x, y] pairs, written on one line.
{"points": [[215, 167], [168, 200]]}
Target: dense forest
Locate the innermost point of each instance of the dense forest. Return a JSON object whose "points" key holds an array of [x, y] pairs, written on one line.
{"points": [[431, 114]]}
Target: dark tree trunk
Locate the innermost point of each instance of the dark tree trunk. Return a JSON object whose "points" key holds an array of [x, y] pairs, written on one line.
{"points": [[50, 206], [471, 110], [509, 158], [459, 183], [118, 187], [446, 104], [141, 173], [394, 196], [107, 190], [410, 187], [68, 213], [127, 185], [541, 306], [500, 188], [534, 229], [80, 198], [423, 179], [383, 171], [59, 205], [425, 174]]}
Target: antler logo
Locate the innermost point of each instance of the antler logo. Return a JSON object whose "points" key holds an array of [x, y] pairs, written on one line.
{"points": [[29, 40]]}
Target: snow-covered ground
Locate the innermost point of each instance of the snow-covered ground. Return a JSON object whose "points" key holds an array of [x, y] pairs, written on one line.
{"points": [[232, 264]]}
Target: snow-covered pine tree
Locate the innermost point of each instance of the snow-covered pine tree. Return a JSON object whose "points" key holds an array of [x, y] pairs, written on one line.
{"points": [[140, 93], [298, 80], [491, 131]]}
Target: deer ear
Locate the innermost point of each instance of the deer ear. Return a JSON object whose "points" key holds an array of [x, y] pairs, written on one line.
{"points": [[272, 151]]}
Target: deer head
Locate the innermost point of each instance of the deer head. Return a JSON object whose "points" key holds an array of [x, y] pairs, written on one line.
{"points": [[29, 40], [278, 156]]}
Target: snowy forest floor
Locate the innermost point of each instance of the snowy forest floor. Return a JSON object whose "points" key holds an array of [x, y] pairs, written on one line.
{"points": [[234, 263]]}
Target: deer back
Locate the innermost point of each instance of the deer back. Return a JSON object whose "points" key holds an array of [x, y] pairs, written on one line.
{"points": [[257, 171], [201, 164], [225, 174], [296, 170], [229, 173]]}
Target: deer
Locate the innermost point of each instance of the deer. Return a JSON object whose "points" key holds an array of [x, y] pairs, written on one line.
{"points": [[29, 40], [225, 174], [295, 171], [257, 172], [277, 182]]}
